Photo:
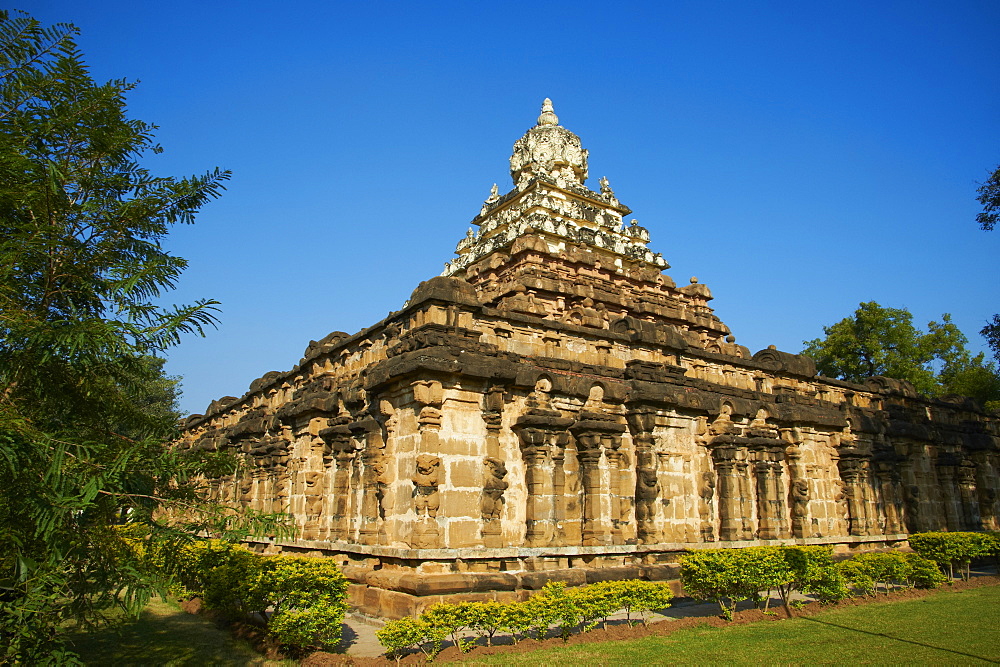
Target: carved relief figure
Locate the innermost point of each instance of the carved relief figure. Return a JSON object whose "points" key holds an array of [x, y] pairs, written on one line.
{"points": [[426, 481], [647, 492], [706, 492], [800, 507], [493, 488]]}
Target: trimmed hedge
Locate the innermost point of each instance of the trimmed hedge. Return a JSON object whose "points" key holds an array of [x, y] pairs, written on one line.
{"points": [[955, 550], [569, 609], [728, 576]]}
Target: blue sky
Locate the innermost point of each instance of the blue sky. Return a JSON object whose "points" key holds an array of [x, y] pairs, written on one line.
{"points": [[798, 157]]}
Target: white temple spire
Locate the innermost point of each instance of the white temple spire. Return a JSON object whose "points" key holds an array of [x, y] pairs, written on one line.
{"points": [[548, 116]]}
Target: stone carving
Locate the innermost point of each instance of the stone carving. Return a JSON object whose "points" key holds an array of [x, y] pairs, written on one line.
{"points": [[647, 493], [554, 400], [425, 482], [493, 489], [606, 187], [493, 501], [706, 493]]}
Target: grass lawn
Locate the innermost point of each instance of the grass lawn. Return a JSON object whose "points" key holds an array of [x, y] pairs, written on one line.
{"points": [[946, 628], [165, 635]]}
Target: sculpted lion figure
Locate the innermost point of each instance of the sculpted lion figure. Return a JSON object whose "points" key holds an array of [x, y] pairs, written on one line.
{"points": [[426, 501]]}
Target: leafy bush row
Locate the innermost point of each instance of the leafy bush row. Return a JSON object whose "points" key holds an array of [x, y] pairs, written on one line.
{"points": [[728, 576], [569, 609], [301, 600], [956, 550]]}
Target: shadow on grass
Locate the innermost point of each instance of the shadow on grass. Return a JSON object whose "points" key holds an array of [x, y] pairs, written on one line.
{"points": [[164, 635], [898, 639]]}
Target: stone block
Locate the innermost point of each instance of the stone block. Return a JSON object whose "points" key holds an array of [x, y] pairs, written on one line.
{"points": [[444, 584], [664, 572], [462, 534], [460, 503], [388, 604], [356, 574], [466, 473], [536, 580], [612, 574]]}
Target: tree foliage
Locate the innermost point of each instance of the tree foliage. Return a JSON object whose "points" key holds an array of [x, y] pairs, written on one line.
{"points": [[84, 405], [991, 332], [883, 341], [989, 197]]}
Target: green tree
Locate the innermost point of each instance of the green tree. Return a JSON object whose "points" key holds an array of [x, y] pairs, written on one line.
{"points": [[989, 197], [84, 405], [883, 341], [991, 332]]}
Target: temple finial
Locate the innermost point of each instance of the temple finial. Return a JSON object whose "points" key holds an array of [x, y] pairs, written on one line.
{"points": [[548, 116]]}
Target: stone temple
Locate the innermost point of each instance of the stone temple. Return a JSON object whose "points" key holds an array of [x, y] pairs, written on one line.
{"points": [[554, 406]]}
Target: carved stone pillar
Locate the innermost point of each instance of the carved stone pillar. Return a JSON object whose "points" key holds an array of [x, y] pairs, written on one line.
{"points": [[493, 403], [706, 505], [947, 475], [772, 523], [494, 471], [728, 491], [339, 454], [373, 470], [426, 498], [986, 490], [596, 529], [967, 496], [570, 504], [745, 500], [540, 433], [611, 443], [799, 488], [853, 471], [601, 513], [648, 489], [891, 492], [559, 494], [540, 514], [258, 486], [313, 494]]}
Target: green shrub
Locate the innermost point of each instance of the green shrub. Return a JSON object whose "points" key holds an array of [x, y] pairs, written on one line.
{"points": [[924, 573], [570, 609], [306, 596], [517, 618], [993, 541], [487, 618], [857, 577], [444, 619], [552, 606], [640, 597], [225, 575], [727, 576], [812, 572], [311, 626], [402, 634], [596, 601], [953, 549], [888, 569]]}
